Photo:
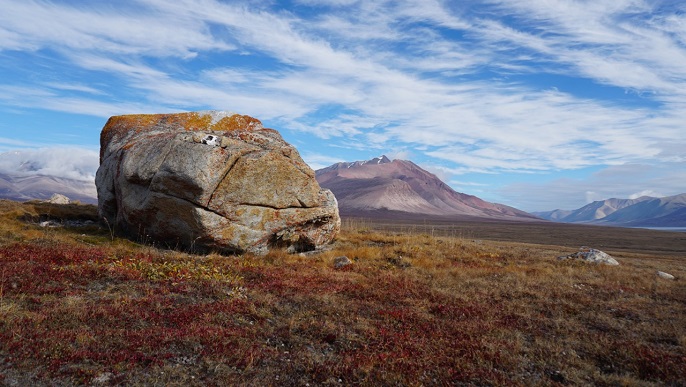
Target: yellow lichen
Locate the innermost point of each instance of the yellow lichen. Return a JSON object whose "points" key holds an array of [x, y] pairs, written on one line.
{"points": [[118, 126], [194, 121], [236, 122]]}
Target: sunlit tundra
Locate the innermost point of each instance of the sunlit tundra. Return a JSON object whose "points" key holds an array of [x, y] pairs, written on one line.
{"points": [[79, 305]]}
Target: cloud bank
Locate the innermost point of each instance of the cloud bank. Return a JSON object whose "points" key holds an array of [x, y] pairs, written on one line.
{"points": [[71, 163]]}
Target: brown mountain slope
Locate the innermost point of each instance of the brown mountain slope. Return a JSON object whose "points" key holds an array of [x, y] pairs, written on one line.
{"points": [[403, 187]]}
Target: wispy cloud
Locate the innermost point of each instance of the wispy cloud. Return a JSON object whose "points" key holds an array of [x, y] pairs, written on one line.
{"points": [[488, 86], [319, 161], [618, 43], [74, 87], [125, 30]]}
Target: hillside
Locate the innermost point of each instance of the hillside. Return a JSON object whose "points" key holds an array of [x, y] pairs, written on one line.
{"points": [[401, 187], [641, 212], [80, 306], [651, 212], [590, 212]]}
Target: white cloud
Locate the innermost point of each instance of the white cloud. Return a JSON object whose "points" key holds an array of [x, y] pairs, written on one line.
{"points": [[618, 42], [120, 30], [74, 87], [441, 173], [399, 105], [67, 162], [647, 192], [400, 154], [50, 99], [13, 143], [318, 161], [130, 70]]}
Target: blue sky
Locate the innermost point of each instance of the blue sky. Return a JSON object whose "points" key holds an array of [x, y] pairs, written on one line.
{"points": [[538, 104]]}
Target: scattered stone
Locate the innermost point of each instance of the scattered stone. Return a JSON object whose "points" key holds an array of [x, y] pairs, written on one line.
{"points": [[399, 261], [341, 261], [591, 255], [59, 199], [49, 224], [317, 251], [103, 378], [212, 181], [67, 223], [664, 275]]}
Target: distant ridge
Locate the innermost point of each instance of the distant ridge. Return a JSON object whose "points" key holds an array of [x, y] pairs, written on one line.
{"points": [[383, 187], [590, 212], [22, 188], [645, 211], [375, 161]]}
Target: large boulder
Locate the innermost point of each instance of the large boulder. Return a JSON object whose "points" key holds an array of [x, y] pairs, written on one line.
{"points": [[210, 180]]}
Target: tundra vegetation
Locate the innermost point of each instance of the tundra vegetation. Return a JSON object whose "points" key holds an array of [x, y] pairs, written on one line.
{"points": [[78, 305]]}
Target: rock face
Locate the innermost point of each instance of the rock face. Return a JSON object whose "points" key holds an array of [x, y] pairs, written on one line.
{"points": [[211, 180]]}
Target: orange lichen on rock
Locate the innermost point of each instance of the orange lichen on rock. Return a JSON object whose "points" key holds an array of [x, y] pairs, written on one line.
{"points": [[211, 180], [237, 122], [193, 121], [120, 126]]}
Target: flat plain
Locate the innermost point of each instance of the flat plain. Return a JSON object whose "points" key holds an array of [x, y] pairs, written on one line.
{"points": [[460, 302]]}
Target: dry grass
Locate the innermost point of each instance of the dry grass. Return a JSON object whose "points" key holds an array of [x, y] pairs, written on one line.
{"points": [[80, 307]]}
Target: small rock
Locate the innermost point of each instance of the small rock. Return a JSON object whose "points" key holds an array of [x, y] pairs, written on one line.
{"points": [[591, 255], [103, 378], [664, 275], [59, 199], [341, 261], [315, 251]]}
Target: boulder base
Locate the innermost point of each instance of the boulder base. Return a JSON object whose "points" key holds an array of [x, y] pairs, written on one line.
{"points": [[210, 180]]}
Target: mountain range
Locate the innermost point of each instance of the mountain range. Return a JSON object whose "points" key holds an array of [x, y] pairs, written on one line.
{"points": [[645, 211], [21, 188], [401, 188]]}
